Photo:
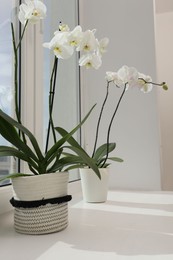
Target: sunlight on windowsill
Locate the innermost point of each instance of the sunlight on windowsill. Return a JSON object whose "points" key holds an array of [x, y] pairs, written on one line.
{"points": [[141, 203]]}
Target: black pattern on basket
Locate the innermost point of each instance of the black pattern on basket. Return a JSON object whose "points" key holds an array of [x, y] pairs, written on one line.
{"points": [[37, 203]]}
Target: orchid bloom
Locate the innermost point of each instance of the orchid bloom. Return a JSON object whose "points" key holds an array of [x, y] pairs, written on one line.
{"points": [[88, 42], [32, 11], [128, 76], [60, 46], [113, 77], [102, 45], [65, 42], [90, 61], [125, 75], [145, 83], [75, 36]]}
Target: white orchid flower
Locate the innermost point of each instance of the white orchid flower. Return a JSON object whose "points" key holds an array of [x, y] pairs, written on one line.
{"points": [[113, 77], [63, 51], [32, 11], [124, 76], [90, 61], [75, 36], [88, 42], [60, 46], [142, 83], [65, 42], [102, 45], [128, 76], [131, 77]]}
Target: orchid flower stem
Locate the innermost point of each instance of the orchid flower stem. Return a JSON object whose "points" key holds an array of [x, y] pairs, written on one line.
{"points": [[23, 32], [99, 119], [51, 103], [153, 83], [110, 125], [15, 74], [15, 49]]}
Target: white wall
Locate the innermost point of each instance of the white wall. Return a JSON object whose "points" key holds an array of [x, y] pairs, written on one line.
{"points": [[164, 45], [130, 28]]}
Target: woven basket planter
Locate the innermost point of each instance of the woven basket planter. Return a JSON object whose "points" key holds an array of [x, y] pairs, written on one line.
{"points": [[40, 203], [29, 218]]}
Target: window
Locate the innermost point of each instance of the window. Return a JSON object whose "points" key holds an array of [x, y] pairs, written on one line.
{"points": [[7, 13], [6, 96], [36, 68]]}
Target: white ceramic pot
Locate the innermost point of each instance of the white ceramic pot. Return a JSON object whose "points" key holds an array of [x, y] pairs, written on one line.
{"points": [[94, 189], [43, 186]]}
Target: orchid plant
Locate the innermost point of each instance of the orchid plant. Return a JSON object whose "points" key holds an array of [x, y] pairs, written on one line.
{"points": [[125, 78], [63, 44]]}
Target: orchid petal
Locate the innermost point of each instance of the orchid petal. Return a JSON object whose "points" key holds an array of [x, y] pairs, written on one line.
{"points": [[32, 11], [90, 61]]}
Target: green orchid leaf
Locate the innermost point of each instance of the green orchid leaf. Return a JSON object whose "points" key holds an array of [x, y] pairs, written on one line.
{"points": [[87, 160], [90, 162], [55, 156], [53, 168], [76, 166], [102, 151], [10, 122], [71, 159], [65, 161], [116, 159], [11, 151], [71, 140], [9, 132], [65, 138], [68, 154]]}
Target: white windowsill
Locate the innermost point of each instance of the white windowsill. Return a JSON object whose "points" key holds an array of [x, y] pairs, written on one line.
{"points": [[130, 225]]}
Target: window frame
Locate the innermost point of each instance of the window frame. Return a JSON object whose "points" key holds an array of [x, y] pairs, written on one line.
{"points": [[31, 76], [31, 84]]}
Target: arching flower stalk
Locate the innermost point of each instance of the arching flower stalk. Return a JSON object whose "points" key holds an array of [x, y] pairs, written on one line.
{"points": [[16, 48], [125, 78], [99, 119], [51, 103], [110, 125]]}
